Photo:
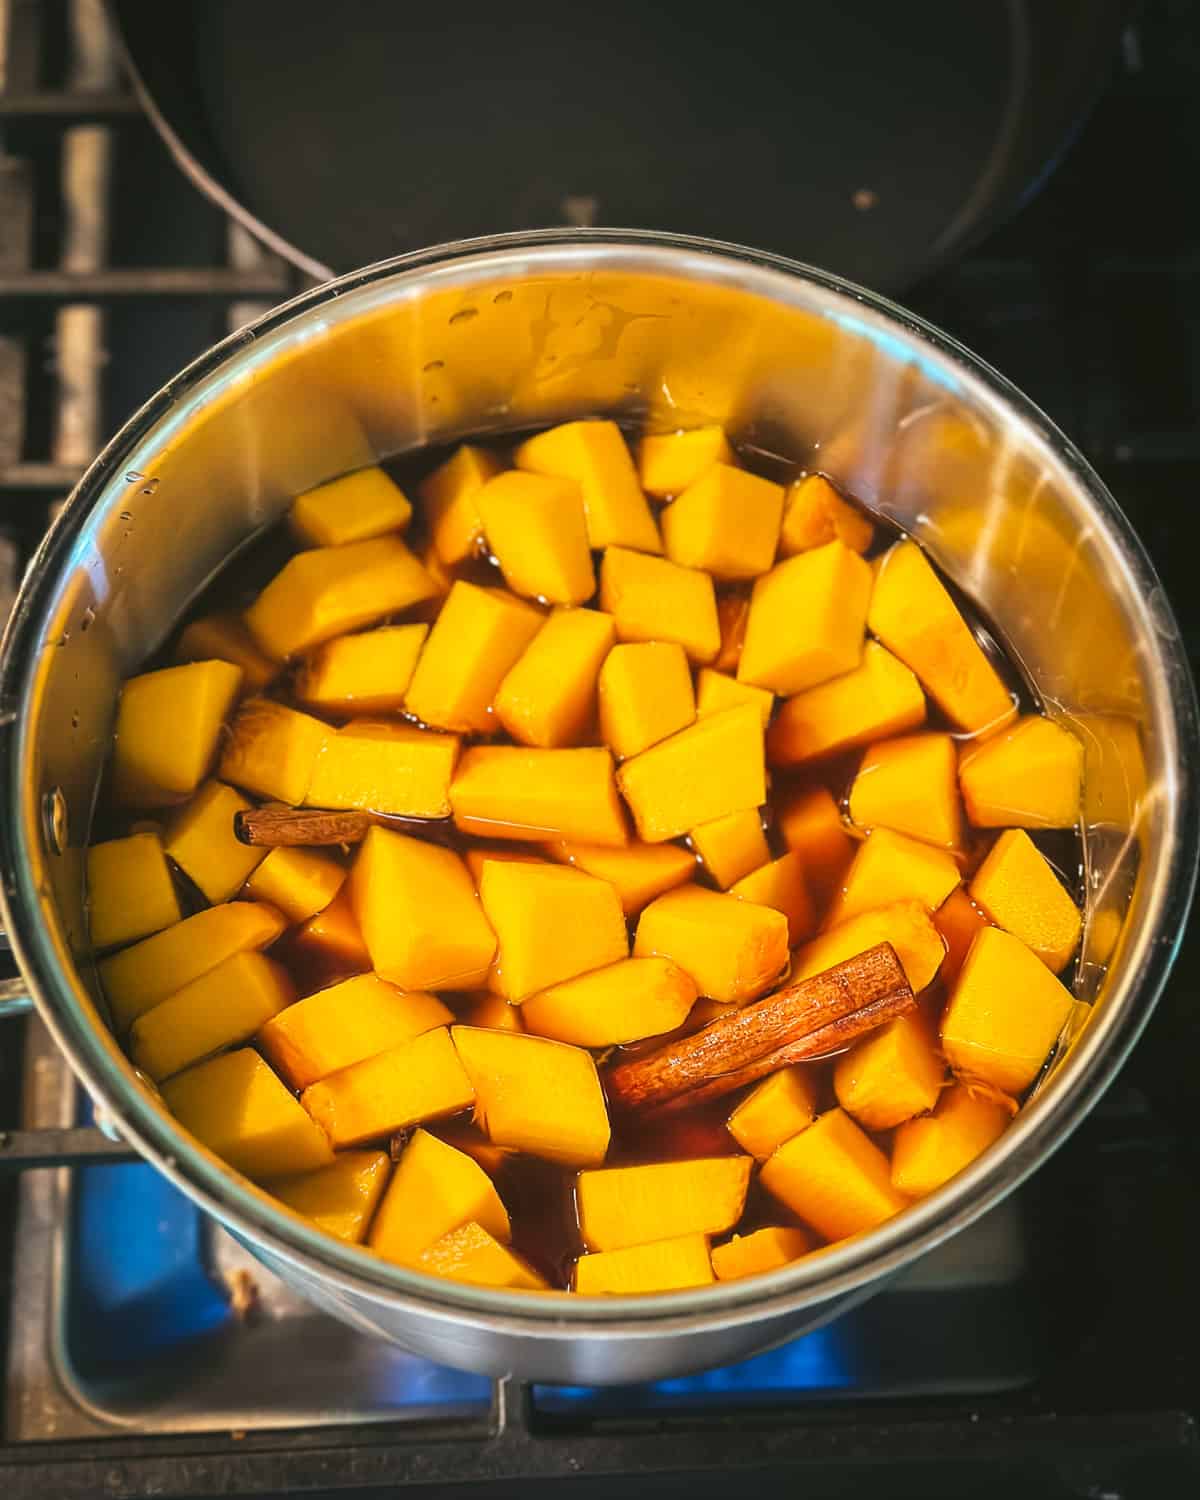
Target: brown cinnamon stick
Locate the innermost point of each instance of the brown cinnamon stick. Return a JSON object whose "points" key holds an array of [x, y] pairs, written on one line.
{"points": [[302, 827], [819, 1015]]}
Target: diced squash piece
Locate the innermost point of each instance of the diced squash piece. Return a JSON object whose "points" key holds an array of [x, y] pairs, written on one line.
{"points": [[654, 599], [300, 882], [333, 939], [551, 923], [236, 1107], [629, 1000], [733, 610], [914, 616], [645, 694], [734, 950], [668, 462], [622, 1206], [732, 846], [815, 514], [448, 498], [535, 1095], [781, 884], [406, 1085], [1114, 769], [716, 691], [331, 590], [168, 723], [726, 522], [467, 1137], [535, 529], [811, 824], [593, 454], [471, 1254], [891, 1075], [510, 792], [664, 1266], [419, 915], [130, 890], [220, 1009], [639, 871], [775, 1110], [958, 919], [1028, 777], [271, 750], [834, 1177], [754, 1254], [929, 1151], [880, 697], [495, 1011], [1017, 888], [1005, 1013], [892, 867], [381, 766], [355, 1019], [149, 971], [353, 508], [479, 854], [201, 841], [367, 673], [434, 1189], [224, 637], [340, 1198], [904, 924], [713, 767], [911, 785], [475, 641], [548, 698]]}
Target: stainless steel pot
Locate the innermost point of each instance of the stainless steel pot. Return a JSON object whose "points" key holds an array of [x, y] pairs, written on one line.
{"points": [[524, 330]]}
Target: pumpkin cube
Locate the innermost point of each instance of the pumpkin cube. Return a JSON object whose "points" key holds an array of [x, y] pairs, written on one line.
{"points": [[716, 691], [381, 766], [593, 454], [781, 884], [271, 750], [487, 1009], [300, 882], [168, 723], [958, 919], [507, 791], [891, 1075], [339, 1026], [551, 923], [471, 1254], [353, 508], [726, 522], [668, 462], [732, 846], [1017, 888], [881, 697], [734, 950], [733, 610], [548, 698], [1028, 777], [220, 1009], [433, 1190], [810, 823], [362, 674], [1005, 1013], [419, 915], [448, 497], [914, 616], [664, 1266], [465, 1136], [139, 977], [806, 621], [964, 1123], [201, 841], [622, 1206], [475, 641], [340, 1198], [236, 1107], [332, 941], [834, 1177], [754, 1254], [815, 514], [713, 767], [625, 1002], [130, 892], [774, 1110], [904, 924], [639, 872], [535, 529], [653, 599], [892, 867], [224, 637], [419, 1080], [910, 785], [645, 693], [535, 1095], [330, 590]]}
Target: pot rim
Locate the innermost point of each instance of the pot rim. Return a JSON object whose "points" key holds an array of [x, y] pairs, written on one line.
{"points": [[830, 1273]]}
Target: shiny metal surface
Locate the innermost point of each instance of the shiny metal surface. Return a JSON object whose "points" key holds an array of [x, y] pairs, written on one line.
{"points": [[519, 331]]}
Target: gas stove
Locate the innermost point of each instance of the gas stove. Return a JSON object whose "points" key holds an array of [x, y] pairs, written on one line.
{"points": [[1053, 1348]]}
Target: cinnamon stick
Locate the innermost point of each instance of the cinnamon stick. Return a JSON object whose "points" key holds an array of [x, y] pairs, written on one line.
{"points": [[303, 827], [806, 1020]]}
